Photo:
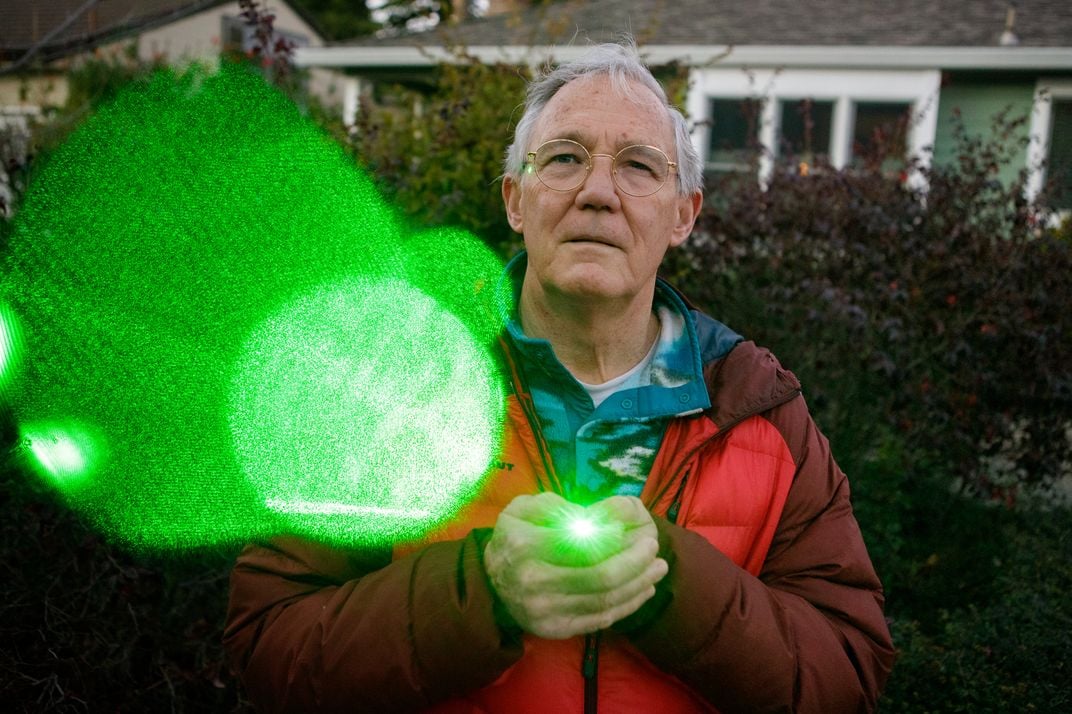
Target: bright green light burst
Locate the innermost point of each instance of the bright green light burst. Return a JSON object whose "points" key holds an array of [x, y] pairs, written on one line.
{"points": [[64, 453], [586, 539], [341, 405], [582, 528], [145, 260]]}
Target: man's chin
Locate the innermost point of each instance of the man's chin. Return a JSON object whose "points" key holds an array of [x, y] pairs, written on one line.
{"points": [[591, 282]]}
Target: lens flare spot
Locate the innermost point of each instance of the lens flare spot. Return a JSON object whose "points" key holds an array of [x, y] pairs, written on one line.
{"points": [[363, 411], [65, 454]]}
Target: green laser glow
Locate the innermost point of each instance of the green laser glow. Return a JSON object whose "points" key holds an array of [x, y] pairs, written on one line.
{"points": [[461, 273], [309, 508], [338, 406], [10, 346], [582, 528], [152, 250], [586, 537], [59, 455], [66, 454]]}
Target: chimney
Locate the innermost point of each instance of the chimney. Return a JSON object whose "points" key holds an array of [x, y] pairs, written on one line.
{"points": [[498, 7], [1008, 36], [459, 10]]}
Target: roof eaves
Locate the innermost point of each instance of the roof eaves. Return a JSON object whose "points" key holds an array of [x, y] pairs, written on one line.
{"points": [[981, 58], [59, 50]]}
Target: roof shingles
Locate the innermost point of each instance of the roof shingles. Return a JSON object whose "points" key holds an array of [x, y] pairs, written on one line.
{"points": [[921, 23], [24, 23]]}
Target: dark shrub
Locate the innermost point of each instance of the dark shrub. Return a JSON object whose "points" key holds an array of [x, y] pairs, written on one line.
{"points": [[940, 313], [437, 154], [932, 333]]}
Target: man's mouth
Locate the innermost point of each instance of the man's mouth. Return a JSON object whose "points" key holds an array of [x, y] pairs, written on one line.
{"points": [[592, 240]]}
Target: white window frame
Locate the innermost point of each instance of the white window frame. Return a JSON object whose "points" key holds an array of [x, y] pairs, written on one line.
{"points": [[776, 113], [845, 88], [1038, 148]]}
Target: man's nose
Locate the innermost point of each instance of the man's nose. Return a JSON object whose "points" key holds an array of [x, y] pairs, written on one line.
{"points": [[599, 184]]}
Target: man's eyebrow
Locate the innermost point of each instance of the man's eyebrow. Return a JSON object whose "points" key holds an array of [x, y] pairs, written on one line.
{"points": [[575, 136], [586, 141]]}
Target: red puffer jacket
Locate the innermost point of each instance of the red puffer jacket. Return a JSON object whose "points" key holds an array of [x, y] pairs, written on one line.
{"points": [[771, 603]]}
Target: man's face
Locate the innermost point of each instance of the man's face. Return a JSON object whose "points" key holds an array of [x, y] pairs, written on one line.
{"points": [[595, 241]]}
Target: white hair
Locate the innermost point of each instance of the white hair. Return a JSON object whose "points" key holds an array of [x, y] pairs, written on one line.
{"points": [[622, 64]]}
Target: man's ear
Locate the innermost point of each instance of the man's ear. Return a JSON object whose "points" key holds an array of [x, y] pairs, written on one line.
{"points": [[688, 210], [511, 193]]}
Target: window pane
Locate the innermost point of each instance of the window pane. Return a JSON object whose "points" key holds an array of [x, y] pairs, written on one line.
{"points": [[804, 134], [879, 137], [734, 136], [1060, 161]]}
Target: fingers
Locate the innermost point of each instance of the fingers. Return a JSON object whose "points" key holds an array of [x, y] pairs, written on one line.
{"points": [[600, 601], [569, 615], [518, 539], [542, 509], [562, 570], [552, 529], [614, 572], [556, 601], [628, 511]]}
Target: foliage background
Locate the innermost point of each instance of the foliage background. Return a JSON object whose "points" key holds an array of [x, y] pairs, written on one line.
{"points": [[932, 336], [931, 332], [438, 154]]}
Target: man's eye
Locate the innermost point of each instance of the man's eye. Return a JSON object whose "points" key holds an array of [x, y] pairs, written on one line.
{"points": [[639, 166], [564, 159]]}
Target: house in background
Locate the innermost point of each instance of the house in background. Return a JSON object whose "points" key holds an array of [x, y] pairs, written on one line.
{"points": [[811, 79], [42, 40]]}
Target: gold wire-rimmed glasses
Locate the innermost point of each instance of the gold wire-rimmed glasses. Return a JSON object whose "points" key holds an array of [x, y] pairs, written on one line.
{"points": [[563, 165]]}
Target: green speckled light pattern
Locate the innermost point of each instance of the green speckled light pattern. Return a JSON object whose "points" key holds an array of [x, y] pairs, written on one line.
{"points": [[314, 438], [213, 328]]}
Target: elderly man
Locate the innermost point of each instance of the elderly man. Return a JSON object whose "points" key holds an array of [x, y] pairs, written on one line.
{"points": [[716, 565]]}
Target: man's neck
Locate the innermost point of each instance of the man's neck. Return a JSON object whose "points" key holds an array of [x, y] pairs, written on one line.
{"points": [[596, 340]]}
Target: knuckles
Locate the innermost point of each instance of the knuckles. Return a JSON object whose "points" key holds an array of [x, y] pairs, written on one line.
{"points": [[556, 602]]}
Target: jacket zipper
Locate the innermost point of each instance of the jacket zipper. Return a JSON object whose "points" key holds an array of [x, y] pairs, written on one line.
{"points": [[589, 670], [590, 662]]}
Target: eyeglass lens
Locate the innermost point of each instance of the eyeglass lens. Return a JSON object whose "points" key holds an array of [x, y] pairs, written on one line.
{"points": [[562, 165]]}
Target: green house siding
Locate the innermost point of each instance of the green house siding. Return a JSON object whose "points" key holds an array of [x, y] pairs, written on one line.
{"points": [[979, 102]]}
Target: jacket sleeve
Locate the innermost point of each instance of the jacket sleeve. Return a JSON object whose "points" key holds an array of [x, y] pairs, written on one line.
{"points": [[312, 628], [808, 634]]}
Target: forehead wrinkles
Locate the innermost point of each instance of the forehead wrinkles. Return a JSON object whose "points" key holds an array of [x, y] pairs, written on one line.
{"points": [[573, 113]]}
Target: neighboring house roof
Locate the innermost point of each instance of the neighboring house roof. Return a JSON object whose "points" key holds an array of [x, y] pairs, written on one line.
{"points": [[949, 34], [52, 29], [930, 23]]}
